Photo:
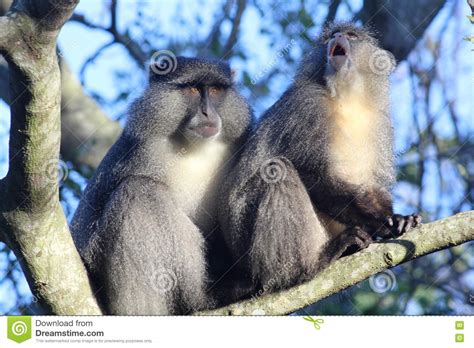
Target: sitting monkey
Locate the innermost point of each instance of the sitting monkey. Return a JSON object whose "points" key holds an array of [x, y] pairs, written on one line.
{"points": [[145, 222], [314, 181]]}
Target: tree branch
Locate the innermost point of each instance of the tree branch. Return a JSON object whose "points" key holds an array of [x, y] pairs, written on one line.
{"points": [[4, 90], [133, 48], [350, 270], [113, 15], [31, 219], [241, 4], [87, 132], [471, 5], [332, 10], [215, 33]]}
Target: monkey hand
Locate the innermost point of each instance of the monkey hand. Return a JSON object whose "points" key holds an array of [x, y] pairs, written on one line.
{"points": [[346, 243], [399, 224], [396, 225], [356, 239], [349, 242]]}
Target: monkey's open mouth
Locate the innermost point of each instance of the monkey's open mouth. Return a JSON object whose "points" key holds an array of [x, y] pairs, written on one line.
{"points": [[338, 50]]}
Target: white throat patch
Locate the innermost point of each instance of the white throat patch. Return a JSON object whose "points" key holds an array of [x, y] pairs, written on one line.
{"points": [[352, 144], [192, 173]]}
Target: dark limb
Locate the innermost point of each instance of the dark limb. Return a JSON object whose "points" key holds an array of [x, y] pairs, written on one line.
{"points": [[370, 208], [346, 243], [285, 232], [352, 205]]}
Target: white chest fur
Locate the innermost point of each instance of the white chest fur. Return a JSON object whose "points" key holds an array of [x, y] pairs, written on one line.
{"points": [[193, 173], [352, 145]]}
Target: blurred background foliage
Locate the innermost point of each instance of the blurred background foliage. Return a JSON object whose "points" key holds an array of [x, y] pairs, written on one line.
{"points": [[107, 45]]}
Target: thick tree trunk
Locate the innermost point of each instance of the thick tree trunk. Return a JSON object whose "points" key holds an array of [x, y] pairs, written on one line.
{"points": [[32, 221]]}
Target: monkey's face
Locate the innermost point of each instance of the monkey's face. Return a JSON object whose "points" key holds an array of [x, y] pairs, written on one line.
{"points": [[203, 120], [351, 49], [192, 102]]}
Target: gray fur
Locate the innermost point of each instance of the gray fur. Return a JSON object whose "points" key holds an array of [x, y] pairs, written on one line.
{"points": [[143, 242], [281, 229]]}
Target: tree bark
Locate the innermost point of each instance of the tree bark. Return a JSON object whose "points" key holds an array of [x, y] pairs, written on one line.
{"points": [[32, 221], [350, 270], [87, 131]]}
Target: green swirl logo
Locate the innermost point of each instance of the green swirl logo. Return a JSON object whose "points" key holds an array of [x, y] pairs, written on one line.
{"points": [[19, 328]]}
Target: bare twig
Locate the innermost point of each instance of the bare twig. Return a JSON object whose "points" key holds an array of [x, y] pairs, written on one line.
{"points": [[133, 48], [241, 4], [92, 58]]}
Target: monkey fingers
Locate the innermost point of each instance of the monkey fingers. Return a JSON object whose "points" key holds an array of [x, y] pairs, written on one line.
{"points": [[400, 224], [348, 242], [356, 239]]}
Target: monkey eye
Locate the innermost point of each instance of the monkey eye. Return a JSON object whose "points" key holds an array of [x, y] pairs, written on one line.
{"points": [[215, 90], [352, 36], [194, 90]]}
